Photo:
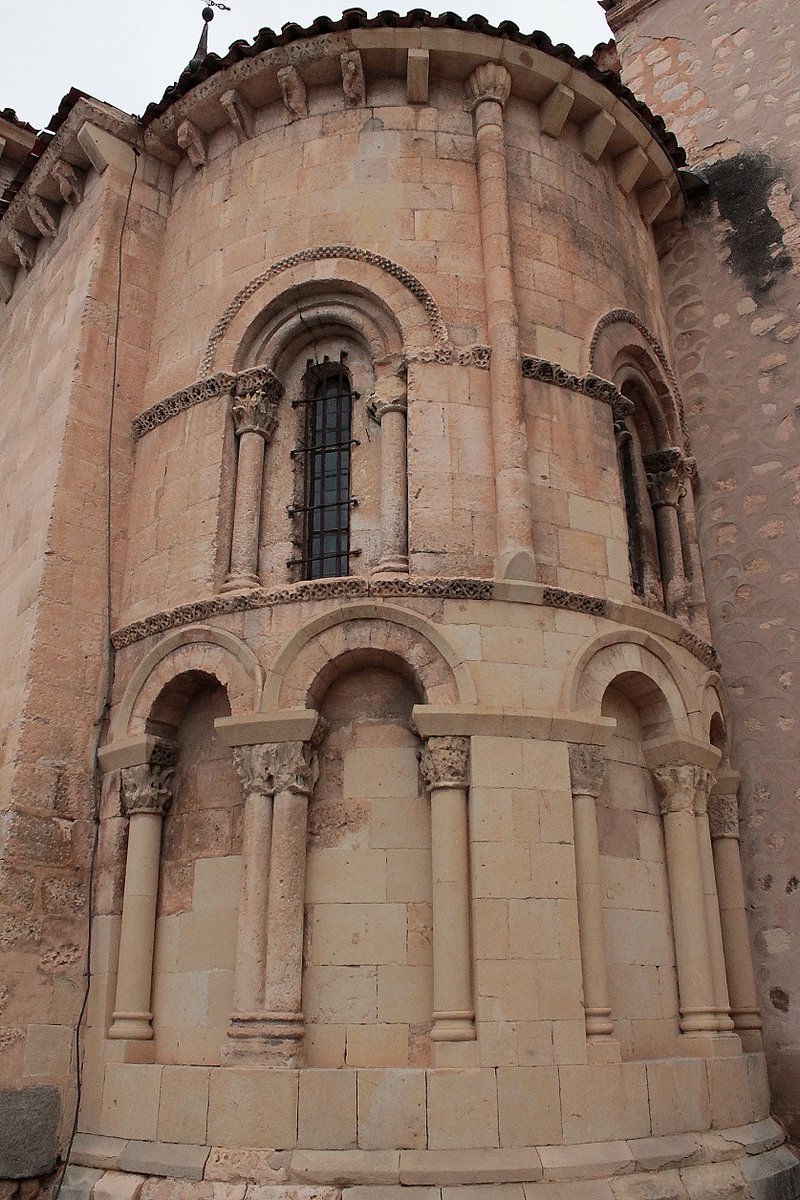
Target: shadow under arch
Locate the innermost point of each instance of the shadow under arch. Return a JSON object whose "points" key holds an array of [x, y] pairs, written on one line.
{"points": [[199, 650], [366, 634], [628, 652], [417, 313]]}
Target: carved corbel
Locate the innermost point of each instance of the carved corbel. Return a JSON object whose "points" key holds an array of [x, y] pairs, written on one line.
{"points": [[192, 139], [241, 113], [69, 180], [23, 246], [418, 76], [7, 276], [353, 83], [45, 215], [555, 109], [293, 90]]}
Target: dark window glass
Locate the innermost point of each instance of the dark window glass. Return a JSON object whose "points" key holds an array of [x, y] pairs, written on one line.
{"points": [[326, 453]]}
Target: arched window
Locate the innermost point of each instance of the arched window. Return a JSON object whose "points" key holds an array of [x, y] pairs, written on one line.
{"points": [[324, 476], [637, 439]]}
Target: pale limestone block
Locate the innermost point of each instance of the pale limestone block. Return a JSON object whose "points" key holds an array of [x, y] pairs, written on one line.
{"points": [[48, 1051], [474, 1167], [654, 1153], [729, 1092], [391, 1193], [131, 1094], [104, 150], [417, 71], [325, 1045], [759, 1085], [346, 875], [604, 1101], [590, 1189], [207, 945], [520, 646], [405, 993], [183, 1106], [377, 1045], [555, 109], [629, 168], [501, 870], [327, 1110], [93, 1150], [585, 1160], [253, 1108], [117, 1185], [496, 762], [341, 994], [507, 990], [500, 1191], [679, 1100], [462, 1109], [175, 1189], [347, 1168], [591, 516], [391, 1109], [569, 1042], [552, 872], [666, 1185], [162, 1158], [529, 1106], [359, 934], [560, 992], [249, 1166], [555, 817], [291, 1192], [408, 876], [596, 133], [400, 826], [217, 884], [560, 347], [774, 1174], [714, 1181], [491, 928], [380, 772]]}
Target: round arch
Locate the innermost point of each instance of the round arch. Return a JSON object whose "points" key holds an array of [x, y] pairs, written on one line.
{"points": [[198, 650], [345, 267], [366, 634], [716, 704], [622, 340], [627, 652]]}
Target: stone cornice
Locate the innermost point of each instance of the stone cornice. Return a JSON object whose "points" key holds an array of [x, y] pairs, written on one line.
{"points": [[354, 587], [621, 12]]}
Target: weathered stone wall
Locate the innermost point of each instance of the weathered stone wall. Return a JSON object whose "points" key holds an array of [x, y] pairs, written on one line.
{"points": [[724, 77]]}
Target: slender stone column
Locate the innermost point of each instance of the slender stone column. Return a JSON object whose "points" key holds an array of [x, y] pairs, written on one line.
{"points": [[713, 925], [723, 814], [255, 419], [445, 769], [666, 485], [294, 767], [687, 522], [388, 406], [488, 89], [146, 794], [678, 785], [587, 769]]}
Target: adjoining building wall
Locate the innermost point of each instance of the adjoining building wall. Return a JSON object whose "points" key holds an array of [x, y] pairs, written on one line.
{"points": [[724, 77]]}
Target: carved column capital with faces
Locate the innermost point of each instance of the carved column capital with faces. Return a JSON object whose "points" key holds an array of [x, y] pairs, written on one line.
{"points": [[668, 472], [148, 788], [723, 817], [587, 767], [679, 785], [445, 762]]}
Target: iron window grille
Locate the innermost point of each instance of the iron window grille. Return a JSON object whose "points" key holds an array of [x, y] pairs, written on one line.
{"points": [[325, 456]]}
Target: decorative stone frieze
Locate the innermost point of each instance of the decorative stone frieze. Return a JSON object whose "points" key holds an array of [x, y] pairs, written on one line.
{"points": [[489, 81], [575, 601], [353, 82], [293, 91], [444, 762], [242, 383]]}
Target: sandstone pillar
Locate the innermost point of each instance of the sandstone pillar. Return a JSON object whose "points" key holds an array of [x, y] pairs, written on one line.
{"points": [[445, 769], [388, 407], [687, 521], [665, 483], [146, 796], [488, 89], [678, 784], [717, 961], [723, 813], [294, 769], [254, 417], [587, 768]]}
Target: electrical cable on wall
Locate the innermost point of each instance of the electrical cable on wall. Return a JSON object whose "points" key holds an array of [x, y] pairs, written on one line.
{"points": [[105, 689]]}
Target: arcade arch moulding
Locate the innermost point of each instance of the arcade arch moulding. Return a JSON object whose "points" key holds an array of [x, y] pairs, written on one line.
{"points": [[360, 634], [621, 341], [200, 648], [344, 267]]}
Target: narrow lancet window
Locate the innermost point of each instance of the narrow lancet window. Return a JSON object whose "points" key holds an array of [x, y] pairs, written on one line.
{"points": [[632, 512]]}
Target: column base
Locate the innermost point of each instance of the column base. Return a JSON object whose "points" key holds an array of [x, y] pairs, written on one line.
{"points": [[599, 1023], [457, 1026], [603, 1050], [391, 567], [240, 583], [709, 1045], [270, 1039], [135, 1027], [699, 1020]]}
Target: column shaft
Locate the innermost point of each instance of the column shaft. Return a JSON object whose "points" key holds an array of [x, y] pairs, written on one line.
{"points": [[285, 913], [247, 512], [590, 918], [490, 87], [453, 1013], [394, 484], [132, 1015], [713, 925], [671, 556], [251, 943]]}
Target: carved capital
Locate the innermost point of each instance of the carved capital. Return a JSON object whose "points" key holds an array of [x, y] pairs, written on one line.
{"points": [[274, 767], [679, 786], [148, 788], [293, 90], [723, 817], [667, 474], [489, 81], [445, 762], [705, 782], [256, 412], [353, 84], [621, 407], [587, 768], [390, 395], [69, 180]]}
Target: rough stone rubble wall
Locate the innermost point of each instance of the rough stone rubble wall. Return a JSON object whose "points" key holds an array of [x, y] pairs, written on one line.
{"points": [[724, 77]]}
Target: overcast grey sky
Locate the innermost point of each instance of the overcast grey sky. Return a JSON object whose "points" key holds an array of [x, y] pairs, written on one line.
{"points": [[128, 51]]}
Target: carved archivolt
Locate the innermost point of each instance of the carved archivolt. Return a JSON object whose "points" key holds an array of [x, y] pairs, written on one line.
{"points": [[545, 371], [316, 254]]}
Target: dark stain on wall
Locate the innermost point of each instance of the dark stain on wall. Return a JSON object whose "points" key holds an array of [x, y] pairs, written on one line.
{"points": [[741, 187]]}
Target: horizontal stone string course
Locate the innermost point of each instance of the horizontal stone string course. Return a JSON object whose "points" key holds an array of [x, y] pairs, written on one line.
{"points": [[480, 357], [359, 589]]}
